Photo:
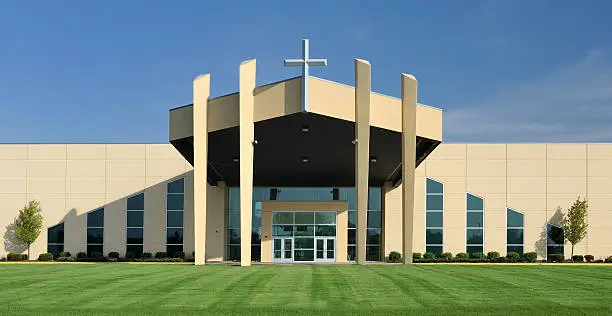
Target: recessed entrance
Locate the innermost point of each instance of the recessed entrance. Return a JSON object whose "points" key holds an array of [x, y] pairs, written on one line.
{"points": [[299, 236]]}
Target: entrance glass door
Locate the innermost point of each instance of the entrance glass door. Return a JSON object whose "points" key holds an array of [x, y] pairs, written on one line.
{"points": [[325, 248], [283, 249]]}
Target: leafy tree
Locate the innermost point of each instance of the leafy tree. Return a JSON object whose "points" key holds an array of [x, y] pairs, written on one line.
{"points": [[574, 222], [29, 223]]}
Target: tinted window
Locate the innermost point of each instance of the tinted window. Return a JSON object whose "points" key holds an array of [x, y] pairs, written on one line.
{"points": [[435, 202], [434, 219], [95, 218], [515, 236], [174, 235], [95, 235], [555, 234], [374, 219], [433, 236], [474, 236], [514, 218], [474, 203], [175, 219], [474, 219], [55, 234], [176, 202], [434, 186], [136, 202], [135, 219], [177, 186], [134, 235], [474, 249]]}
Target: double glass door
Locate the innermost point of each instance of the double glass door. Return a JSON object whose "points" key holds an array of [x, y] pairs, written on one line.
{"points": [[325, 248], [283, 249]]}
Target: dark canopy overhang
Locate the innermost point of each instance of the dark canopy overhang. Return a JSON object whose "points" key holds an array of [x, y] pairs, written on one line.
{"points": [[305, 149]]}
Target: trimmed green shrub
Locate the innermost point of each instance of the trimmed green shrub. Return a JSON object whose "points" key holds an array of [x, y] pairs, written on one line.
{"points": [[477, 255], [598, 261], [66, 259], [589, 258], [161, 254], [395, 256], [13, 256], [129, 255], [45, 257], [416, 256], [65, 254], [113, 255], [492, 255], [446, 256], [530, 256], [3, 259], [513, 257], [147, 255], [178, 254], [429, 256], [608, 260], [557, 257], [81, 255], [578, 258], [462, 256]]}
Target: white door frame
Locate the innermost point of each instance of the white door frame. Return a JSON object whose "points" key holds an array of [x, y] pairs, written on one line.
{"points": [[325, 240]]}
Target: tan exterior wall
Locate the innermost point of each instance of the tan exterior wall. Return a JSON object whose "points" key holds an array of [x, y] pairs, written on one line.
{"points": [[341, 207], [338, 100], [325, 97], [535, 179], [70, 180]]}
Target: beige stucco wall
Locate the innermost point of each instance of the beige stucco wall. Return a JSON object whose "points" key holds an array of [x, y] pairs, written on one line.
{"points": [[325, 97], [535, 179], [70, 180]]}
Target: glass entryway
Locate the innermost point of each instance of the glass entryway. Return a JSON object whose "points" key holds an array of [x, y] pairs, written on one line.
{"points": [[303, 236], [283, 249], [325, 248]]}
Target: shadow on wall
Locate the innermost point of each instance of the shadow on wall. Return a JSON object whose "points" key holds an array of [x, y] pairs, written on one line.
{"points": [[11, 243], [73, 218], [541, 243]]}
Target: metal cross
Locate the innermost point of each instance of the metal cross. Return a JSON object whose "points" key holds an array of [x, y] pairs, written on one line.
{"points": [[305, 62]]}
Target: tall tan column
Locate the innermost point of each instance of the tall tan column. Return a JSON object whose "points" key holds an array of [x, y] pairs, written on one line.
{"points": [[201, 92], [409, 106], [362, 152], [247, 138]]}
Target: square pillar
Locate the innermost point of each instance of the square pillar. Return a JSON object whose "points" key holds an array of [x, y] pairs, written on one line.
{"points": [[201, 93], [409, 107], [247, 141], [362, 152]]}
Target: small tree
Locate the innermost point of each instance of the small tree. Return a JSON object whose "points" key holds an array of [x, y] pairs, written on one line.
{"points": [[29, 223], [574, 222]]}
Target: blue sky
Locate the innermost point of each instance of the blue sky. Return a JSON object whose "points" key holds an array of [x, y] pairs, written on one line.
{"points": [[503, 71]]}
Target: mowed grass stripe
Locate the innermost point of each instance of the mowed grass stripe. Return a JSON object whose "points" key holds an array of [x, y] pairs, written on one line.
{"points": [[310, 289]]}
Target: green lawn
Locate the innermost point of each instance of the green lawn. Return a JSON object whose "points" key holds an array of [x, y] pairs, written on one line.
{"points": [[91, 289]]}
